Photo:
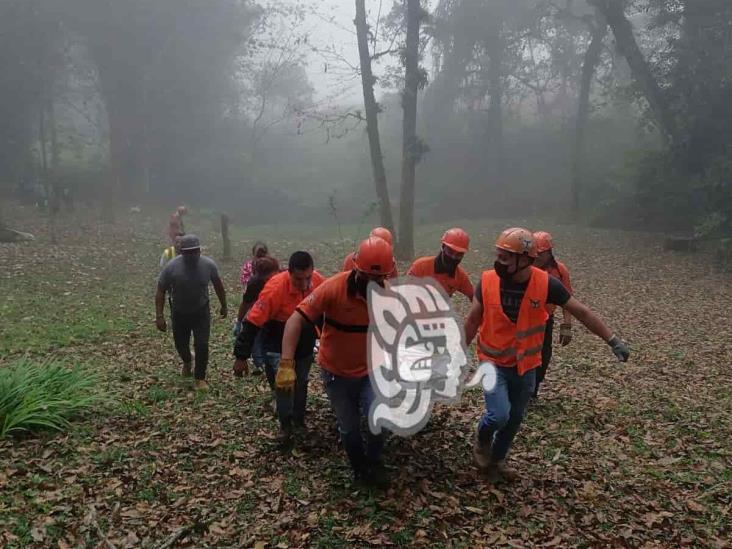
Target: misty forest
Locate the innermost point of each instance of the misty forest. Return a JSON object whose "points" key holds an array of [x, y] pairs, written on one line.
{"points": [[213, 214]]}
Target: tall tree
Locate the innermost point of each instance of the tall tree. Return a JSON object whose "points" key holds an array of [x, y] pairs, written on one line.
{"points": [[164, 69], [589, 66], [614, 13], [495, 48], [411, 145], [372, 116]]}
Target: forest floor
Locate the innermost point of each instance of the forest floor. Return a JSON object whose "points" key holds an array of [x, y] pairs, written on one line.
{"points": [[635, 454]]}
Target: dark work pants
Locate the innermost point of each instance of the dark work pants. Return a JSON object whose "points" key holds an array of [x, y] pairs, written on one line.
{"points": [[351, 399], [198, 324], [290, 404], [546, 353]]}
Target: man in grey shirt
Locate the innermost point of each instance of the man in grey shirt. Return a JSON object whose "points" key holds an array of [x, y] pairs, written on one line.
{"points": [[186, 277]]}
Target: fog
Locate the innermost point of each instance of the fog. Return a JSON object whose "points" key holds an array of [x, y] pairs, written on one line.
{"points": [[604, 112]]}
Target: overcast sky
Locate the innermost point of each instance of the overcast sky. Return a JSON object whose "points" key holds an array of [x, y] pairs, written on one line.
{"points": [[331, 27]]}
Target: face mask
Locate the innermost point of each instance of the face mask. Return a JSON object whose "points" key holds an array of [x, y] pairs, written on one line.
{"points": [[362, 285], [502, 271], [449, 262]]}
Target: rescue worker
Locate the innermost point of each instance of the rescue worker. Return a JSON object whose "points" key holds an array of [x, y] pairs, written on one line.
{"points": [[265, 268], [171, 251], [343, 352], [546, 261], [247, 273], [509, 315], [445, 266], [259, 250], [186, 278], [378, 232], [175, 223], [276, 303]]}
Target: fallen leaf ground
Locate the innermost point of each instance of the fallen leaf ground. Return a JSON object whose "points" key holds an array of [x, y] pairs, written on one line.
{"points": [[612, 455]]}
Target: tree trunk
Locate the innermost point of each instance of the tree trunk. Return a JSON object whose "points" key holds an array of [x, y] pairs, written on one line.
{"points": [[42, 141], [120, 86], [440, 97], [495, 45], [225, 237], [614, 12], [411, 150], [589, 65], [55, 159], [372, 117]]}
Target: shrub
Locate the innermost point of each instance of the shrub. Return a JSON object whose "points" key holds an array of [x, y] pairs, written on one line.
{"points": [[46, 395]]}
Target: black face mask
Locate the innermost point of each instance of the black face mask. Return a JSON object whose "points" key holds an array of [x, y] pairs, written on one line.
{"points": [[449, 263], [362, 285], [502, 271]]}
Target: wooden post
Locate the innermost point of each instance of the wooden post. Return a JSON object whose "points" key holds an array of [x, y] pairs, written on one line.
{"points": [[225, 236]]}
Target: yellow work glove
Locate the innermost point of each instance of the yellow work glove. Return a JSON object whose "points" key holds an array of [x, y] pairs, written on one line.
{"points": [[285, 380]]}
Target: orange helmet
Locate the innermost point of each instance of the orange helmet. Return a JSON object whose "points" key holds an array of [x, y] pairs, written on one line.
{"points": [[543, 241], [375, 256], [456, 239], [383, 233], [517, 241]]}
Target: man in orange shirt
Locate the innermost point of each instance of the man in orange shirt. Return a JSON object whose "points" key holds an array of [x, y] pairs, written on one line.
{"points": [[343, 351], [275, 304], [509, 315], [445, 267], [545, 261], [378, 232]]}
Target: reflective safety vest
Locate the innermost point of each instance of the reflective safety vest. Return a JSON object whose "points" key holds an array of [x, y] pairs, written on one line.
{"points": [[562, 273], [501, 341]]}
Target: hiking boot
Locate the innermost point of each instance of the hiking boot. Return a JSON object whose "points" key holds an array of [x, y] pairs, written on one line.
{"points": [[481, 454], [373, 476], [284, 436], [200, 385], [498, 472], [506, 472], [187, 370], [378, 476]]}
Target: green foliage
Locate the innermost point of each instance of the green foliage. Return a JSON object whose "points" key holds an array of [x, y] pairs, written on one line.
{"points": [[38, 396]]}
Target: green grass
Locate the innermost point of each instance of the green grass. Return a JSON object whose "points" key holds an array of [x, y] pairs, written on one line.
{"points": [[45, 396], [157, 394]]}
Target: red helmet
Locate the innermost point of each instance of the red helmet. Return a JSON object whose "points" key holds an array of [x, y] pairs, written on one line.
{"points": [[543, 241], [517, 241], [456, 239], [383, 233], [375, 256]]}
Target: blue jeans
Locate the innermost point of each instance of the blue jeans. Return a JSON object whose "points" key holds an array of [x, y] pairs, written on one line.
{"points": [[351, 399], [258, 354], [290, 404], [504, 410]]}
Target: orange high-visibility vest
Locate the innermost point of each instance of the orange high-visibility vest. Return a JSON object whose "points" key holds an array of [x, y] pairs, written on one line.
{"points": [[501, 341], [562, 273]]}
